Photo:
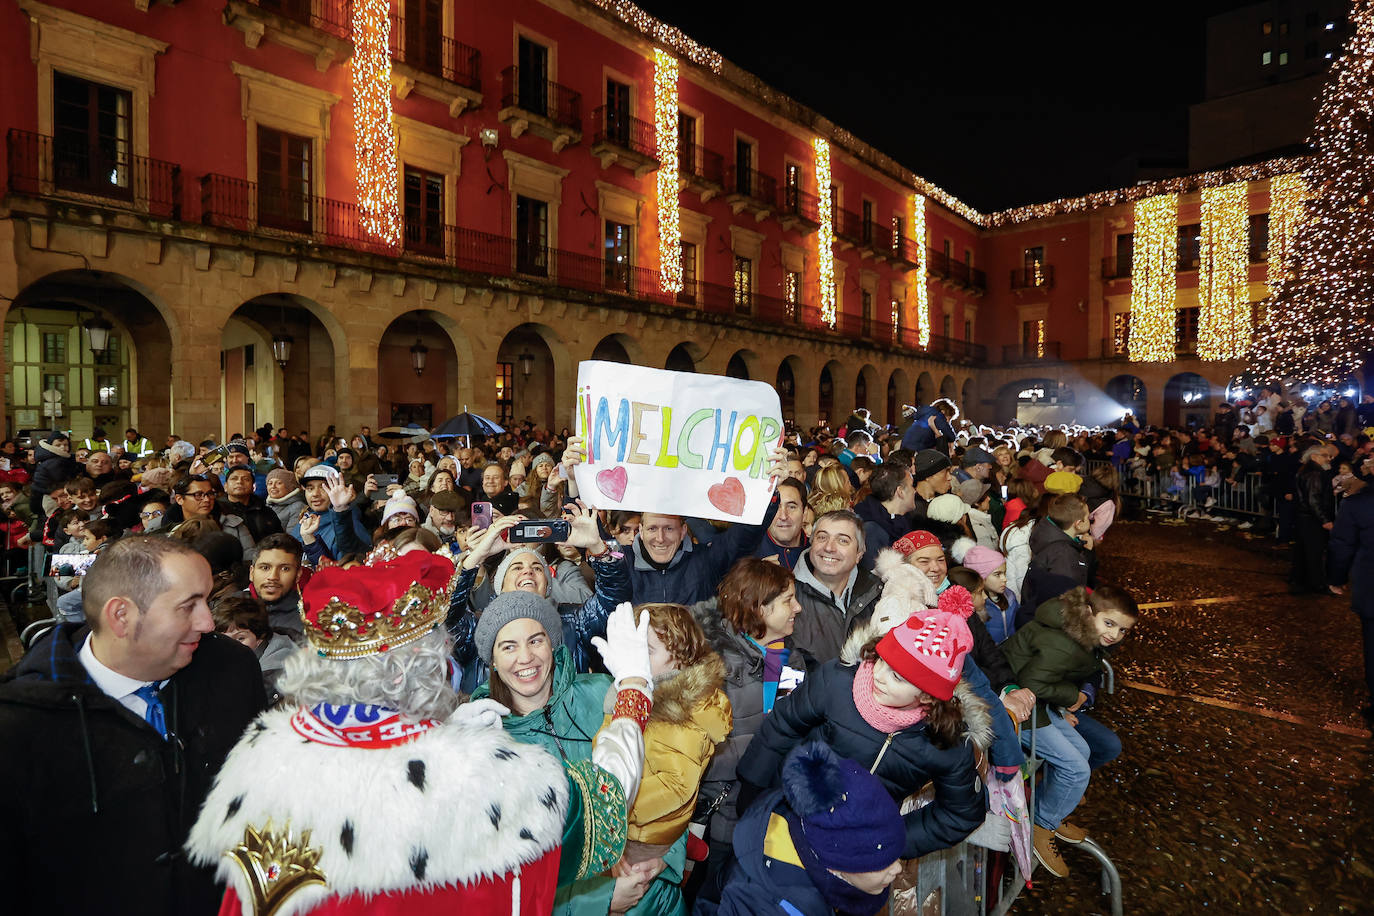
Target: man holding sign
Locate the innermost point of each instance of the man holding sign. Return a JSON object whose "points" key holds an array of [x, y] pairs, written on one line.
{"points": [[683, 445]]}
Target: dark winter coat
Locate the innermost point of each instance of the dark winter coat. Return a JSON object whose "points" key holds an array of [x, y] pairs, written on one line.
{"points": [[823, 624], [881, 528], [581, 622], [757, 884], [695, 571], [96, 804], [823, 708], [339, 534], [1056, 552], [258, 518], [744, 688], [1313, 496], [1350, 552], [1055, 653], [51, 470]]}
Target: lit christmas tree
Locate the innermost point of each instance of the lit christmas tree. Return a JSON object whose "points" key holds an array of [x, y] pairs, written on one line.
{"points": [[1318, 325]]}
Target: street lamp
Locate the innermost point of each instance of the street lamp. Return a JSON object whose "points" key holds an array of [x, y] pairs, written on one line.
{"points": [[97, 336], [281, 349], [526, 363], [418, 354]]}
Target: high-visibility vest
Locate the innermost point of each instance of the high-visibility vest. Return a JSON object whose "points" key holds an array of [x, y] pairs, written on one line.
{"points": [[139, 448], [96, 445]]}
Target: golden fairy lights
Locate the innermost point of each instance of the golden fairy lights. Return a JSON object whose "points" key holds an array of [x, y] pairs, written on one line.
{"points": [[661, 32], [665, 130], [1223, 280], [825, 236], [1153, 283], [1319, 324], [922, 300], [375, 139], [1286, 196]]}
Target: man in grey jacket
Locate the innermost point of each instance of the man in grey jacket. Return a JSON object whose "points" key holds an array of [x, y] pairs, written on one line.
{"points": [[831, 587]]}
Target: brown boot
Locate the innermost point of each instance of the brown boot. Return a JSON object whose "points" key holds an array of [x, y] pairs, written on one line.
{"points": [[1069, 833], [1047, 851]]}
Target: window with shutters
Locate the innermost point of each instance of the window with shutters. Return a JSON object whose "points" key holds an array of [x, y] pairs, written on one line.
{"points": [[424, 211], [284, 183], [92, 137], [422, 32]]}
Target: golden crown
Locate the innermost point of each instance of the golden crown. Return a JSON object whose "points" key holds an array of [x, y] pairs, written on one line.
{"points": [[358, 612]]}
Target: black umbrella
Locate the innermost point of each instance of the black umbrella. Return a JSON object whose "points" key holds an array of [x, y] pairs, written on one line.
{"points": [[466, 424], [411, 432]]}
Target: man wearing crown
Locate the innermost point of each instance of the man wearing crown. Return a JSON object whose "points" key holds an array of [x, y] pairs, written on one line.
{"points": [[375, 791]]}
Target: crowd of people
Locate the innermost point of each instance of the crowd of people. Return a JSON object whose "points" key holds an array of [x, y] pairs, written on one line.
{"points": [[652, 714]]}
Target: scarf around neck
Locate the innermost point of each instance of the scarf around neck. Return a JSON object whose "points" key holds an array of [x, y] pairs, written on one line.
{"points": [[886, 719]]}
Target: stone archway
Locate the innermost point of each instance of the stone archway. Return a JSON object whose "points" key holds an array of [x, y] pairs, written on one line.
{"points": [[786, 384], [925, 389], [618, 348], [737, 368], [681, 359], [866, 387], [530, 361], [1130, 394], [825, 393], [967, 401], [1187, 400], [949, 388], [128, 384], [898, 384], [408, 392]]}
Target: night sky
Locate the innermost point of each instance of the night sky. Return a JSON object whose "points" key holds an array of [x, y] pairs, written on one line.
{"points": [[999, 105]]}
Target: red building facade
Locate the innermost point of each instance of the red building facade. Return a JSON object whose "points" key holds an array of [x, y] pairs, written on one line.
{"points": [[201, 177]]}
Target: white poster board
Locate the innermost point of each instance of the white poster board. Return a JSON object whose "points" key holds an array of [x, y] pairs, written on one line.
{"points": [[675, 442]]}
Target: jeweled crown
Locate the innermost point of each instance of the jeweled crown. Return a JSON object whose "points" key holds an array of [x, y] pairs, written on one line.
{"points": [[368, 610]]}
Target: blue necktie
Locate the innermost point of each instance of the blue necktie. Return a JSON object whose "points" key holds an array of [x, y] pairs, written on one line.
{"points": [[154, 713]]}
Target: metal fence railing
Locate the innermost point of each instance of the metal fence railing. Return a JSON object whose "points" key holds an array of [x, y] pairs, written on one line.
{"points": [[1177, 491]]}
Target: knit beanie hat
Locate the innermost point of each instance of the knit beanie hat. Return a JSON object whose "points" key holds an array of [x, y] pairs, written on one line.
{"points": [[515, 605], [928, 650], [984, 561], [282, 475], [500, 576], [842, 817], [913, 541], [927, 463], [541, 458], [398, 504], [328, 473], [1063, 482], [947, 508]]}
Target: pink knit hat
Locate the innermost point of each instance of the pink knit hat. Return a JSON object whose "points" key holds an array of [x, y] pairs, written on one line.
{"points": [[928, 650], [983, 560]]}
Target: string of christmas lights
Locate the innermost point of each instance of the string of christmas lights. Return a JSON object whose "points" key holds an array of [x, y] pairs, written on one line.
{"points": [[1287, 194], [663, 33], [1319, 317], [825, 235], [922, 295], [1154, 286], [1223, 280], [375, 138], [665, 129]]}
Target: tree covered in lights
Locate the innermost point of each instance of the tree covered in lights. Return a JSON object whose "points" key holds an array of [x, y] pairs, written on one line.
{"points": [[1320, 319]]}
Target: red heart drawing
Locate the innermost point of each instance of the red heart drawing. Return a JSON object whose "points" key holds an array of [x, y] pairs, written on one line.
{"points": [[611, 483], [727, 496]]}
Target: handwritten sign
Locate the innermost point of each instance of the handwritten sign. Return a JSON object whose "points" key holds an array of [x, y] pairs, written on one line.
{"points": [[675, 442]]}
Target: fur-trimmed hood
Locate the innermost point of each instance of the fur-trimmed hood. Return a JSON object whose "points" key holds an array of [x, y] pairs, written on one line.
{"points": [[678, 694], [1071, 613]]}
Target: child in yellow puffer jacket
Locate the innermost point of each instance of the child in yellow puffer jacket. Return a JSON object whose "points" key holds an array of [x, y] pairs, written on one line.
{"points": [[690, 716]]}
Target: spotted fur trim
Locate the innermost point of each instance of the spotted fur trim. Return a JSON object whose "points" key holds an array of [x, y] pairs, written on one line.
{"points": [[456, 805]]}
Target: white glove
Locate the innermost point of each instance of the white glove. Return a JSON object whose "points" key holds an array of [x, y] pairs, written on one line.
{"points": [[625, 650], [480, 714]]}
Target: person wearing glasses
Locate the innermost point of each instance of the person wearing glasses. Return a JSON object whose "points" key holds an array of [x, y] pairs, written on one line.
{"points": [[195, 496]]}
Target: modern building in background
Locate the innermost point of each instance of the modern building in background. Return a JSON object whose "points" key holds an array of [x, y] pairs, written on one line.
{"points": [[225, 212], [1266, 64]]}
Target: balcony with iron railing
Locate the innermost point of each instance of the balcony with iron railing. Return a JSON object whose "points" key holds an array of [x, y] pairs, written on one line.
{"points": [[322, 29], [435, 66], [101, 173], [798, 209], [618, 139], [751, 190], [543, 107], [247, 206], [937, 263], [701, 169], [849, 228], [1044, 351], [1033, 276]]}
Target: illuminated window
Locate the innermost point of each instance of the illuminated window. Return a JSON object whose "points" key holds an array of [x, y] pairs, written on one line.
{"points": [[1267, 27], [617, 255], [505, 404], [54, 347], [1266, 58], [1121, 332], [91, 136], [898, 231], [1283, 58], [744, 284], [1033, 338], [791, 293], [107, 390]]}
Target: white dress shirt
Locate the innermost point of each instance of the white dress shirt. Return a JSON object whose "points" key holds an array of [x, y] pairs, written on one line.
{"points": [[112, 683]]}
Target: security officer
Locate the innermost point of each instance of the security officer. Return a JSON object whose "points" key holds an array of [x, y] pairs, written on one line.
{"points": [[135, 445], [97, 442]]}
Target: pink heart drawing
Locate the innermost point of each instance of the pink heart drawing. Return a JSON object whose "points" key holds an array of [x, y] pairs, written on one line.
{"points": [[727, 496], [611, 483]]}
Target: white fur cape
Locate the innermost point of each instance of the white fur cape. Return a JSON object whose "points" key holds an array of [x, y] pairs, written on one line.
{"points": [[455, 805]]}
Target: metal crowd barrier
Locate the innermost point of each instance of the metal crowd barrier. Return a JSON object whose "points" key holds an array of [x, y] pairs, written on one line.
{"points": [[1151, 490]]}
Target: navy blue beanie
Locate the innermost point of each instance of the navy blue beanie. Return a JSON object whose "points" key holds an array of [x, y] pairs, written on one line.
{"points": [[844, 818]]}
